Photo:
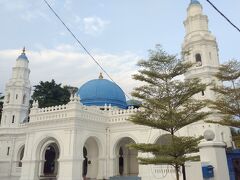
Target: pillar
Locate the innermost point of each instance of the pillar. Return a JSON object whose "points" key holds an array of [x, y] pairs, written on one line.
{"points": [[214, 153]]}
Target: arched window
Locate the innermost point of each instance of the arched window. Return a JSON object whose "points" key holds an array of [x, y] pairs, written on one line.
{"points": [[20, 156], [24, 99], [198, 59], [8, 98], [13, 118]]}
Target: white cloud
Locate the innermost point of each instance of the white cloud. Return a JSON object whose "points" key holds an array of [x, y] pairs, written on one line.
{"points": [[94, 25], [27, 11], [68, 66], [68, 4]]}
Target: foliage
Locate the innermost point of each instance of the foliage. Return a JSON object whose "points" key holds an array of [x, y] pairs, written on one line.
{"points": [[71, 89], [167, 104], [172, 153], [227, 102], [51, 94], [236, 136]]}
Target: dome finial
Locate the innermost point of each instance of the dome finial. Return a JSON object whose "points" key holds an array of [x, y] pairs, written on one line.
{"points": [[100, 76], [23, 55], [24, 49]]}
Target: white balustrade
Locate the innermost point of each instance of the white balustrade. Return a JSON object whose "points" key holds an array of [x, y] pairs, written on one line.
{"points": [[75, 110]]}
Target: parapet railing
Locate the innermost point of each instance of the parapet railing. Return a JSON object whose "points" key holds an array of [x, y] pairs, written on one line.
{"points": [[121, 115], [72, 109]]}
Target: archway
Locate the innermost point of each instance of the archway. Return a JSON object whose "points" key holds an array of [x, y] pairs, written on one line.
{"points": [[161, 171], [20, 156], [126, 159], [49, 157], [85, 163], [91, 158]]}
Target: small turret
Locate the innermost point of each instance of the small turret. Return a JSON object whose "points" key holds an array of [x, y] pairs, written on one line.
{"points": [[17, 93], [200, 48], [194, 2]]}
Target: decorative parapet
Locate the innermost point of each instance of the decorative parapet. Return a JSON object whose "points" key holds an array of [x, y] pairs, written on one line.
{"points": [[48, 113], [121, 115], [74, 109]]}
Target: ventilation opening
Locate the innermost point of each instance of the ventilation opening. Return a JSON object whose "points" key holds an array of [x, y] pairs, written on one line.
{"points": [[13, 118], [8, 151], [24, 99]]}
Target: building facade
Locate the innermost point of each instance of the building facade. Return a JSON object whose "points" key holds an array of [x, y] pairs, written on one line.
{"points": [[87, 137]]}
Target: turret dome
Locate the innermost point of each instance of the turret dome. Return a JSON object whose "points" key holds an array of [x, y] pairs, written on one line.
{"points": [[98, 92], [23, 55], [194, 2]]}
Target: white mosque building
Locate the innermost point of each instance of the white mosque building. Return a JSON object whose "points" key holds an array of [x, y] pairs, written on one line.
{"points": [[86, 138]]}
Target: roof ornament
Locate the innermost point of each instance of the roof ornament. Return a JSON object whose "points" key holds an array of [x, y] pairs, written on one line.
{"points": [[23, 55], [24, 49], [100, 76]]}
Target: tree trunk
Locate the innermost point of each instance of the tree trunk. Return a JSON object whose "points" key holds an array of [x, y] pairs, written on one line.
{"points": [[177, 172], [184, 172]]}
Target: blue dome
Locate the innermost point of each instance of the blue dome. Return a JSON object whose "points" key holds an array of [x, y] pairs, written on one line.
{"points": [[194, 2], [22, 57], [99, 92]]}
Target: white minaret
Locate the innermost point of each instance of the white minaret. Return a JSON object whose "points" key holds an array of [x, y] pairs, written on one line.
{"points": [[200, 47], [17, 94]]}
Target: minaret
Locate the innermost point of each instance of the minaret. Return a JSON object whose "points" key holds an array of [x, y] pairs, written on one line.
{"points": [[200, 47], [17, 94]]}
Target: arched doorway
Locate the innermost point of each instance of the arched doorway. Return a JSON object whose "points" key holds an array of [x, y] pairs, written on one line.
{"points": [[85, 163], [20, 156], [163, 171], [91, 159], [126, 161], [50, 155]]}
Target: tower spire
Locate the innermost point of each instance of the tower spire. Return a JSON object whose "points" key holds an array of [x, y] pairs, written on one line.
{"points": [[100, 76], [194, 2], [24, 49], [202, 48], [18, 90]]}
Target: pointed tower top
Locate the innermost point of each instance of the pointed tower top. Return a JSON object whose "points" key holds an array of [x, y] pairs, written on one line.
{"points": [[24, 49], [100, 76], [194, 2], [23, 55]]}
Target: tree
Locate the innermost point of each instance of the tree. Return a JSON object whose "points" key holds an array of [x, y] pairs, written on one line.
{"points": [[227, 102], [71, 89], [236, 136], [51, 94], [168, 104]]}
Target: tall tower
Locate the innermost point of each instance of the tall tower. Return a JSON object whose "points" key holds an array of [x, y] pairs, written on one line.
{"points": [[200, 47], [17, 94]]}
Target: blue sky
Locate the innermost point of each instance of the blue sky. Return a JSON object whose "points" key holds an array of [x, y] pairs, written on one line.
{"points": [[118, 33]]}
